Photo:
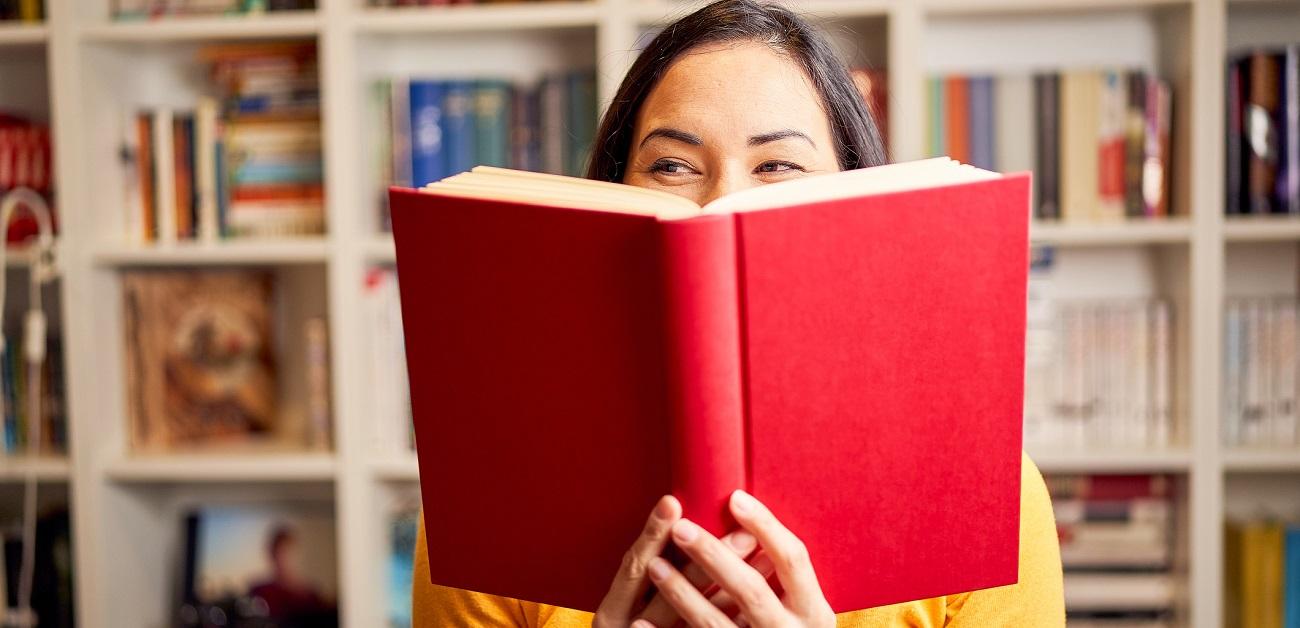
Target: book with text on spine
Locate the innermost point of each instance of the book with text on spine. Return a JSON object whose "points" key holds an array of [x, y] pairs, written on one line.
{"points": [[848, 347]]}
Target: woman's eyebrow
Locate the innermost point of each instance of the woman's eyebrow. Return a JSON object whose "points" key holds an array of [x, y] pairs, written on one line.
{"points": [[673, 134], [763, 138]]}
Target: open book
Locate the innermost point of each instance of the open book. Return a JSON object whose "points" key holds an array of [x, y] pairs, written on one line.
{"points": [[849, 348]]}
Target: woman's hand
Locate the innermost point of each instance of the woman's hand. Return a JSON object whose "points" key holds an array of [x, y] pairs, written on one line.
{"points": [[742, 586]]}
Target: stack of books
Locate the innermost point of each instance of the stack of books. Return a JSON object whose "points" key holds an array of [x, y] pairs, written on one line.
{"points": [[14, 375], [25, 161], [436, 128], [1098, 373], [1259, 366], [390, 406], [1263, 159], [247, 164], [1262, 575], [1097, 141], [132, 10], [1116, 545]]}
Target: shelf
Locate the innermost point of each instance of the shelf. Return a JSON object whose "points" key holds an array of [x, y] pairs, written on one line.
{"points": [[994, 7], [380, 250], [1261, 460], [23, 33], [398, 468], [204, 467], [1083, 461], [16, 468], [1164, 231], [472, 17], [301, 251], [660, 13], [1261, 228], [270, 25]]}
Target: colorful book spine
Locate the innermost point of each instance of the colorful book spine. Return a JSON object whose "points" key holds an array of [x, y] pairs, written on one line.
{"points": [[1047, 192], [458, 135], [492, 99], [428, 150], [983, 125], [956, 113], [1291, 586]]}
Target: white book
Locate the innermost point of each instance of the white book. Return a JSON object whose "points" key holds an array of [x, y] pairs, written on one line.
{"points": [[1232, 389], [133, 198], [1118, 591], [1140, 359], [205, 168], [1284, 373], [1015, 123], [1162, 373], [1252, 381], [164, 175]]}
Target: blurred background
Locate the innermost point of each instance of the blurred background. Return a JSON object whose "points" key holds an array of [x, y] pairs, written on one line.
{"points": [[224, 433]]}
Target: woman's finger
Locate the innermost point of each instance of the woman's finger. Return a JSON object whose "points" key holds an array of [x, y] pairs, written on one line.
{"points": [[630, 581], [661, 613], [747, 587], [788, 554], [689, 603]]}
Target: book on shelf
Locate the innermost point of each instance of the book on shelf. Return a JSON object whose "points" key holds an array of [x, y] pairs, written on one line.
{"points": [[1116, 535], [1098, 141], [672, 345], [138, 10], [245, 162], [390, 404], [1259, 367], [201, 365], [1098, 372], [403, 520], [259, 564], [1263, 132], [1261, 574], [26, 161], [432, 128], [15, 373]]}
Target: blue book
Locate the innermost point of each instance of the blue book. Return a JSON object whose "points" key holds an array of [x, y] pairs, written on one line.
{"points": [[428, 154], [458, 128], [981, 122], [1291, 579]]}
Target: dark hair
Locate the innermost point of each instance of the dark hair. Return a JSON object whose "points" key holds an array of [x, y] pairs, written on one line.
{"points": [[857, 140]]}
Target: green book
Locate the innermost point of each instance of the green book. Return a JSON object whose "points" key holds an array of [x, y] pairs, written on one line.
{"points": [[580, 121], [935, 126], [492, 122]]}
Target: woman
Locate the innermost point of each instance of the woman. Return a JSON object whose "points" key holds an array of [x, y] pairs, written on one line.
{"points": [[735, 95]]}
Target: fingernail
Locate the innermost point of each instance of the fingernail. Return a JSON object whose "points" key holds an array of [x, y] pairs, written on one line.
{"points": [[685, 531], [664, 509], [658, 569], [743, 502], [741, 541]]}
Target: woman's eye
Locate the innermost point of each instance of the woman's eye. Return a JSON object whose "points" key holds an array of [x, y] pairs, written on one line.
{"points": [[669, 167], [777, 166]]}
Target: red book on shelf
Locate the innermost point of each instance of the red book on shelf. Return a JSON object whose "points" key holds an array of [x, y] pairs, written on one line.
{"points": [[957, 97], [577, 349]]}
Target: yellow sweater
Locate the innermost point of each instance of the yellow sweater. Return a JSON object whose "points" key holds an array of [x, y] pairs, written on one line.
{"points": [[1036, 600]]}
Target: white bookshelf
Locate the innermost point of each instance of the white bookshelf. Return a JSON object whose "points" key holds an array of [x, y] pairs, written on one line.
{"points": [[87, 69]]}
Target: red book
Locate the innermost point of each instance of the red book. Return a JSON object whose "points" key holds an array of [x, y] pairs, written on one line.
{"points": [[577, 349], [957, 115]]}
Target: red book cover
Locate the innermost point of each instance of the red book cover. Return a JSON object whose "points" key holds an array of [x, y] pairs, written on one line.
{"points": [[569, 366]]}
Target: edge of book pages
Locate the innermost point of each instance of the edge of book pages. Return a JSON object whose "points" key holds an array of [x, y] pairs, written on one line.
{"points": [[504, 184]]}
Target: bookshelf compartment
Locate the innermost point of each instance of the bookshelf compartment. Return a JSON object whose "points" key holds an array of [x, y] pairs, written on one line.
{"points": [[145, 531], [393, 68], [216, 175], [207, 28]]}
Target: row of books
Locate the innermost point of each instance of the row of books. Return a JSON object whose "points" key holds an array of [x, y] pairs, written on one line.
{"points": [[135, 10], [1263, 132], [390, 404], [52, 591], [244, 164], [203, 370], [1098, 375], [1097, 141], [1259, 364], [22, 10], [1262, 575], [1116, 548], [25, 161], [436, 128], [15, 373]]}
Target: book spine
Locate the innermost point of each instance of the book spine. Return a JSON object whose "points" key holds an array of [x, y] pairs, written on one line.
{"points": [[1261, 122], [703, 318], [1156, 170], [1233, 124], [1134, 143], [957, 116], [492, 122], [935, 107], [581, 123], [428, 146], [1047, 156], [1111, 146], [458, 134], [982, 122], [205, 168], [1291, 611], [1290, 193], [165, 175]]}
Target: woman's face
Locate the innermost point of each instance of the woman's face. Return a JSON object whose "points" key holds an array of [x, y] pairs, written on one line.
{"points": [[726, 117]]}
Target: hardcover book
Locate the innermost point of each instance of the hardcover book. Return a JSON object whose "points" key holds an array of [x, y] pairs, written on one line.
{"points": [[849, 348]]}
